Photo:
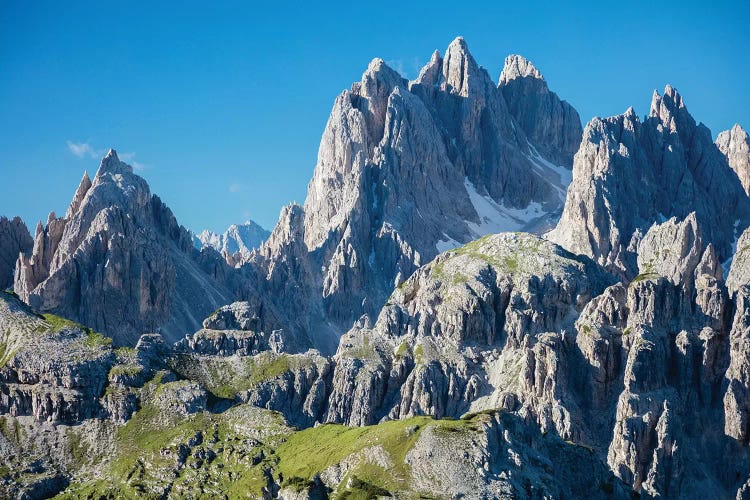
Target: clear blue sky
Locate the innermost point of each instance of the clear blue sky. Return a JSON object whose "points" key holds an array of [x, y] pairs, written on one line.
{"points": [[222, 107]]}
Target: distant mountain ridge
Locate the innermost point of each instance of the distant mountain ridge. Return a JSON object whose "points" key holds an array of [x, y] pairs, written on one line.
{"points": [[236, 243]]}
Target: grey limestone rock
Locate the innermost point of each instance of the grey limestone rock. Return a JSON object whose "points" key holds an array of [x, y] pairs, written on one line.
{"points": [[236, 243], [735, 145], [550, 123], [629, 174], [14, 240], [406, 170], [118, 262]]}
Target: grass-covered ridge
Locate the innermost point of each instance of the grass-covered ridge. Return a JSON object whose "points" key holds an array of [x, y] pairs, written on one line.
{"points": [[58, 324], [229, 376], [513, 254], [222, 458], [247, 451]]}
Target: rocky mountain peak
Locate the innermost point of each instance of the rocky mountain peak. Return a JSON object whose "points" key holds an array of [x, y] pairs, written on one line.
{"points": [[550, 123], [117, 241], [734, 144], [518, 67], [460, 71], [627, 175], [83, 188], [14, 239], [408, 169], [111, 164], [670, 109], [432, 71], [377, 83], [236, 243]]}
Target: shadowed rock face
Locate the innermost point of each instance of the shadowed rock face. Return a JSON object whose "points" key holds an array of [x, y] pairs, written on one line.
{"points": [[408, 169], [14, 239], [629, 174], [118, 262], [551, 124]]}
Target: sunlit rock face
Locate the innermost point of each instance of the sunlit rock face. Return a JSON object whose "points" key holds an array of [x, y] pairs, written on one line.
{"points": [[118, 262], [630, 173], [407, 169]]}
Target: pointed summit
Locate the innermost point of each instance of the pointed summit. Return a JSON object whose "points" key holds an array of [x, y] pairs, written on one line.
{"points": [[460, 70], [734, 144], [379, 79], [83, 188], [429, 75], [518, 67], [551, 124], [668, 108], [377, 83], [112, 164]]}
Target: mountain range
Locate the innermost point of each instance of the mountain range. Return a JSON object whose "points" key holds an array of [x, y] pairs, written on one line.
{"points": [[479, 298]]}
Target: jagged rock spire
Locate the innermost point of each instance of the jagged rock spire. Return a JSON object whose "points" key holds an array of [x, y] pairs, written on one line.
{"points": [[518, 67], [83, 188], [628, 175], [735, 145], [550, 123], [431, 72], [111, 164], [460, 70], [14, 239]]}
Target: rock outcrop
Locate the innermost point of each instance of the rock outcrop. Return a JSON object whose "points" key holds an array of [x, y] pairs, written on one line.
{"points": [[735, 145], [118, 262], [480, 327], [629, 174], [14, 240], [739, 272], [635, 372]]}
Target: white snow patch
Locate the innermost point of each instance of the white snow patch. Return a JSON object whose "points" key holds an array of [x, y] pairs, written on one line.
{"points": [[559, 177], [447, 244], [497, 218], [727, 264]]}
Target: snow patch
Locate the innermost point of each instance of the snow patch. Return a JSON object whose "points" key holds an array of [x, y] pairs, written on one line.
{"points": [[447, 244], [727, 264], [559, 177], [497, 218]]}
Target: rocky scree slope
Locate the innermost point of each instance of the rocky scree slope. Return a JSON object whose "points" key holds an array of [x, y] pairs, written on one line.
{"points": [[408, 169]]}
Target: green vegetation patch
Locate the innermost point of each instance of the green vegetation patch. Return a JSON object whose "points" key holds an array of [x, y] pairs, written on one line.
{"points": [[58, 323], [130, 370], [308, 452], [93, 339], [230, 376]]}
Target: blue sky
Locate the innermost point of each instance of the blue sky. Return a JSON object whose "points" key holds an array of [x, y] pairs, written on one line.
{"points": [[221, 107]]}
